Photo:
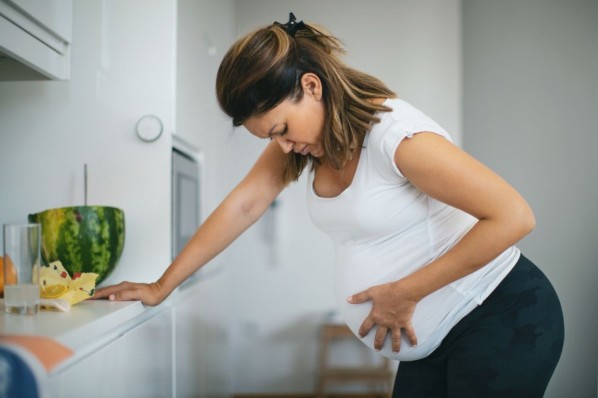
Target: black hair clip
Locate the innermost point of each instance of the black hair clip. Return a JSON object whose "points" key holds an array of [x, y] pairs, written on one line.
{"points": [[292, 26]]}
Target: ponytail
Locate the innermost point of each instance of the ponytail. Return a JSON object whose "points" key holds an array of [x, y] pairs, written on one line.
{"points": [[263, 68]]}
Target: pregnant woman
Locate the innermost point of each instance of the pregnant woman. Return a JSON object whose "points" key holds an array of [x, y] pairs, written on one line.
{"points": [[427, 271]]}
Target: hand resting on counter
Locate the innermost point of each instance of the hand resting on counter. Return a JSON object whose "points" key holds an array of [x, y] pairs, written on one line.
{"points": [[148, 293]]}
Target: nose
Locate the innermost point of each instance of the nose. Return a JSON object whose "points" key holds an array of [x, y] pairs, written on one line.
{"points": [[285, 144]]}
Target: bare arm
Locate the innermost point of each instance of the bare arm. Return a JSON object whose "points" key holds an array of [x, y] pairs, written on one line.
{"points": [[459, 180], [445, 172], [238, 211]]}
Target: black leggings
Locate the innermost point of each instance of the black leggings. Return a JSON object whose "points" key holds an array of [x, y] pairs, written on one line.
{"points": [[507, 347]]}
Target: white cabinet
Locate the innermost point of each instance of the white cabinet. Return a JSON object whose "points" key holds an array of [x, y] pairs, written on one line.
{"points": [[178, 349], [201, 314], [35, 39], [138, 363], [191, 364]]}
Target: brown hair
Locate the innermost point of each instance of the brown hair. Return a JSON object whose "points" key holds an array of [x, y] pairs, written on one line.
{"points": [[263, 68]]}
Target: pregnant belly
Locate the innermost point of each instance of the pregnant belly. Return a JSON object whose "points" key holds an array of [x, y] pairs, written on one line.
{"points": [[433, 317]]}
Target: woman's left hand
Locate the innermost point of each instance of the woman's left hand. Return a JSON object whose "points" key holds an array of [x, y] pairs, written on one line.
{"points": [[392, 310]]}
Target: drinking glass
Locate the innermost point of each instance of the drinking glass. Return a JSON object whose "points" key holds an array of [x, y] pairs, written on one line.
{"points": [[22, 260]]}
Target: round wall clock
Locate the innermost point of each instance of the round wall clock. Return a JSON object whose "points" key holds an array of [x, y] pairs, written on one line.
{"points": [[149, 128]]}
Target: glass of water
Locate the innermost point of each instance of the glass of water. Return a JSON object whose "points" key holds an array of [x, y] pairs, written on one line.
{"points": [[22, 260]]}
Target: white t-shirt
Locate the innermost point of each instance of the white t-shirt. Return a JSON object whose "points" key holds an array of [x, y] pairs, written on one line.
{"points": [[383, 229]]}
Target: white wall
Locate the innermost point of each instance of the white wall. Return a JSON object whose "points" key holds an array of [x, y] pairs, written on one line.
{"points": [[123, 67], [282, 291], [530, 112]]}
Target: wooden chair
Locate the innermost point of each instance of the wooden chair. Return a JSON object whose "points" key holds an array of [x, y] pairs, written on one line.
{"points": [[373, 374]]}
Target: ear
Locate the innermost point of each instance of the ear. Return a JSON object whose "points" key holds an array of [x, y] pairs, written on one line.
{"points": [[312, 85]]}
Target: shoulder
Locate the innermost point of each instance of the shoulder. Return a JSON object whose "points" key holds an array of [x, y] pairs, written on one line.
{"points": [[411, 120], [403, 121]]}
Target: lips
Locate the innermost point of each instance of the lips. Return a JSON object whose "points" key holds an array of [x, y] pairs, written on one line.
{"points": [[307, 149], [303, 151]]}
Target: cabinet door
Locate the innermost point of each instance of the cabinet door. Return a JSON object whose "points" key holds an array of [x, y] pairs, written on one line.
{"points": [[202, 319], [36, 37], [191, 364], [138, 364], [54, 16]]}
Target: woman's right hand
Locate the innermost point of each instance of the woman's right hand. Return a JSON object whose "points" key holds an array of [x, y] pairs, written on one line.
{"points": [[148, 293]]}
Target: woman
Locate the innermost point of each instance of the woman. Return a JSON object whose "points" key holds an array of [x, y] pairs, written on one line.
{"points": [[426, 270]]}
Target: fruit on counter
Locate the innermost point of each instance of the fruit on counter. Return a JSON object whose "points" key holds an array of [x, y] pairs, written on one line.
{"points": [[54, 291], [56, 283], [11, 276], [83, 238]]}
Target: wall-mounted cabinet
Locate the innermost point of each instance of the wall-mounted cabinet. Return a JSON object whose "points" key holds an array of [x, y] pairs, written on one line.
{"points": [[35, 39]]}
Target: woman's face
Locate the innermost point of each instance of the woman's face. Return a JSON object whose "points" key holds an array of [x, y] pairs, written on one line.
{"points": [[295, 125]]}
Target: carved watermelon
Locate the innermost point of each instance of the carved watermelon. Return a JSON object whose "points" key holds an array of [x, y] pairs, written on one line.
{"points": [[83, 238]]}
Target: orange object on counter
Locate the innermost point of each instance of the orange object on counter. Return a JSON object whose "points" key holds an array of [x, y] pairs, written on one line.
{"points": [[12, 275]]}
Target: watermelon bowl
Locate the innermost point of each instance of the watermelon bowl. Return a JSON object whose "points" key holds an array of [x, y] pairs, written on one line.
{"points": [[82, 238]]}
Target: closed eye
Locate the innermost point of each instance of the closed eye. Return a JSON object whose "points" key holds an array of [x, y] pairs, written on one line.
{"points": [[280, 134]]}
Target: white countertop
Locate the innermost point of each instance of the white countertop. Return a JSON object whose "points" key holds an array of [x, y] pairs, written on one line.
{"points": [[87, 327], [85, 321]]}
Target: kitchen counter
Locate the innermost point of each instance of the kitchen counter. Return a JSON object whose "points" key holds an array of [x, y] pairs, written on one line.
{"points": [[87, 327], [88, 349], [99, 346], [85, 321], [90, 325]]}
